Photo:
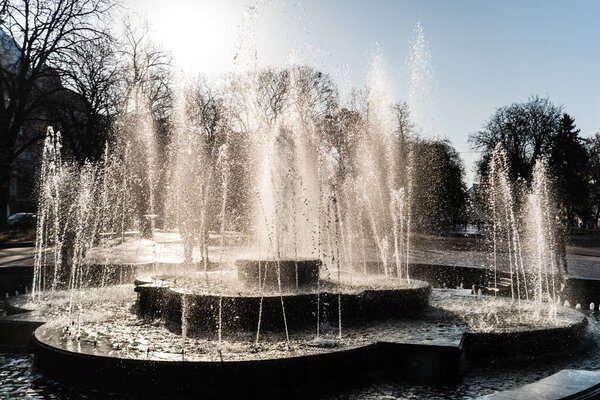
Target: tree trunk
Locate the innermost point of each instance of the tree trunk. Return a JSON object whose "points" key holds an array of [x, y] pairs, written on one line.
{"points": [[4, 193], [5, 173]]}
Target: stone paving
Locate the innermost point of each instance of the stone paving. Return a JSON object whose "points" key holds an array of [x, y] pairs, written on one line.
{"points": [[167, 247], [566, 383]]}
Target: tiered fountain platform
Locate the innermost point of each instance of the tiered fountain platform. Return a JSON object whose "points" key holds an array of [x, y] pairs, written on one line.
{"points": [[117, 345], [271, 290]]}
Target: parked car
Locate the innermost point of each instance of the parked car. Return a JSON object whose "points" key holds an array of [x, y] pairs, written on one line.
{"points": [[22, 221]]}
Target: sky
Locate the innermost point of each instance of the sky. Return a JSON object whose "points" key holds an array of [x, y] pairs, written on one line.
{"points": [[482, 54]]}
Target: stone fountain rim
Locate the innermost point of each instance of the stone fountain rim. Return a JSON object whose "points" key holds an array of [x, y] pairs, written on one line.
{"points": [[143, 283], [578, 321]]}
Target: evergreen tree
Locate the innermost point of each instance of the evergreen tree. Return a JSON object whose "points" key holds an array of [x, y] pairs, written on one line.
{"points": [[568, 161], [593, 148]]}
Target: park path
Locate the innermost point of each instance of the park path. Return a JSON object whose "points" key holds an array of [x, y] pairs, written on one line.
{"points": [[167, 248]]}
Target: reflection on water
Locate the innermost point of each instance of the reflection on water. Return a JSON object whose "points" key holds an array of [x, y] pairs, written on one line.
{"points": [[18, 379]]}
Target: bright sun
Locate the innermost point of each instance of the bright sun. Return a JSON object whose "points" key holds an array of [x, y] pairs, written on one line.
{"points": [[200, 34]]}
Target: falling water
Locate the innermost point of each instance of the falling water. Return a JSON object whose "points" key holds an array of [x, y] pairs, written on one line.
{"points": [[48, 206], [188, 179], [542, 258], [383, 182], [420, 70], [529, 212], [349, 207], [502, 195]]}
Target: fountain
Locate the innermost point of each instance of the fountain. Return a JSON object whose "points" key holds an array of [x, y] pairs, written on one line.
{"points": [[327, 281], [534, 265], [276, 259]]}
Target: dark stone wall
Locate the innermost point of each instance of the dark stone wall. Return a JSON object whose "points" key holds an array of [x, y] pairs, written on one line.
{"points": [[240, 313], [582, 290], [525, 344], [15, 279], [292, 377]]}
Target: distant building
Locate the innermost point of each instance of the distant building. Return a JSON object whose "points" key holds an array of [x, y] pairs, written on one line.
{"points": [[64, 109]]}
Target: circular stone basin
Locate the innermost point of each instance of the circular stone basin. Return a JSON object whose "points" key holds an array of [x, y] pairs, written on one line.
{"points": [[108, 317], [218, 301], [111, 343]]}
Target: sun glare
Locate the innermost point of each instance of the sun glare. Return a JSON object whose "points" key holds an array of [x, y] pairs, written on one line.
{"points": [[201, 35]]}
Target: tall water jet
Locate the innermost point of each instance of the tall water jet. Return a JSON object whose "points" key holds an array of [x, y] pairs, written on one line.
{"points": [[383, 179], [284, 156], [135, 137], [505, 225], [543, 260], [517, 212], [305, 174], [48, 232], [420, 71], [68, 220], [76, 215], [187, 179]]}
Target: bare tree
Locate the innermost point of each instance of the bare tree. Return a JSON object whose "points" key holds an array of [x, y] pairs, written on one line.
{"points": [[526, 131], [206, 109], [272, 93], [95, 74], [206, 112], [39, 40], [146, 72], [316, 91], [405, 127]]}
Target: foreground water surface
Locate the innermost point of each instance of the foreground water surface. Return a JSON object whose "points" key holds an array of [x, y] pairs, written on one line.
{"points": [[20, 380]]}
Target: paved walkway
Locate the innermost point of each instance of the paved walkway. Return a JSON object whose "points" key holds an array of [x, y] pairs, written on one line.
{"points": [[165, 247], [568, 383], [17, 257], [168, 248]]}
